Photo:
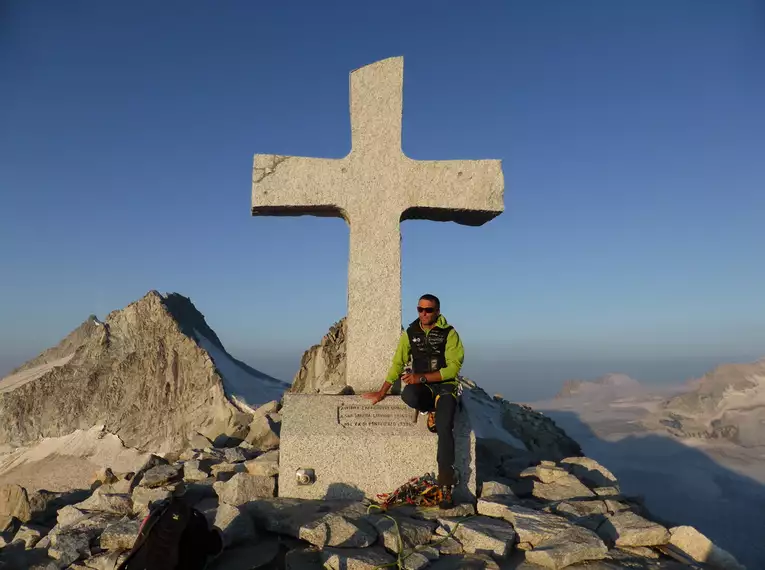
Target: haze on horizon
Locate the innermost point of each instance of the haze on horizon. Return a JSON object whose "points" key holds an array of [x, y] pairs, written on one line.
{"points": [[631, 136]]}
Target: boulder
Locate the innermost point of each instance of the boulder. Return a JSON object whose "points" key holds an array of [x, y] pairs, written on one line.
{"points": [[566, 548], [629, 529], [120, 535], [198, 441], [329, 523], [266, 465], [268, 408], [161, 476], [532, 526], [334, 529], [415, 560], [69, 515], [243, 488], [480, 534], [237, 527], [589, 514], [106, 499], [546, 472], [496, 488], [68, 547], [447, 546], [105, 560], [589, 471], [234, 455], [224, 471], [356, 558], [263, 433], [29, 535], [697, 546], [562, 488], [195, 470], [14, 502], [411, 531], [144, 496]]}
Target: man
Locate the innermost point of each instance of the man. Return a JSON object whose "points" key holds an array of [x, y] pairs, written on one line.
{"points": [[432, 387]]}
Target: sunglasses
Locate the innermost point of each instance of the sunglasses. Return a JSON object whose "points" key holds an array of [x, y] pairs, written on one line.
{"points": [[425, 310]]}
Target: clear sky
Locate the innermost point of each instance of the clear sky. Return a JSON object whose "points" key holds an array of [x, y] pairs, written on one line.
{"points": [[632, 136]]}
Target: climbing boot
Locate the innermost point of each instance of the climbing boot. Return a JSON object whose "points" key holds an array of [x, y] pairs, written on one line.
{"points": [[446, 501], [432, 421]]}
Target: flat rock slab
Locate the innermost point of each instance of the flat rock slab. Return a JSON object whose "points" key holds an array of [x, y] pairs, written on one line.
{"points": [[266, 464], [160, 476], [322, 523], [567, 548], [106, 499], [589, 471], [243, 488], [411, 531], [357, 450], [628, 529], [356, 558], [334, 529], [532, 526], [562, 489], [480, 535]]}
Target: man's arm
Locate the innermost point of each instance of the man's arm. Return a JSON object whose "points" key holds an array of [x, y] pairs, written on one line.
{"points": [[454, 355], [400, 358]]}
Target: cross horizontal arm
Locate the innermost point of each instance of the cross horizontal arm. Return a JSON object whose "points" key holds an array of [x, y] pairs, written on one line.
{"points": [[468, 192], [294, 185]]}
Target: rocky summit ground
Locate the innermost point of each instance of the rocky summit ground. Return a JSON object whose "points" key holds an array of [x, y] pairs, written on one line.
{"points": [[77, 478]]}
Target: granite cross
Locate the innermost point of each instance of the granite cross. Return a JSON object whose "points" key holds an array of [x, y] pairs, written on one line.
{"points": [[374, 188]]}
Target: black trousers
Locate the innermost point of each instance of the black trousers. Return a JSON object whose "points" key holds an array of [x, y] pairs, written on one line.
{"points": [[441, 398]]}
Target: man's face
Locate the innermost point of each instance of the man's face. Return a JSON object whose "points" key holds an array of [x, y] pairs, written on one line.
{"points": [[427, 312]]}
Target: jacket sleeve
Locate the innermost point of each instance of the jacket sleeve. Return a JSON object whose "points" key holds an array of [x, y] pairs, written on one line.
{"points": [[454, 355], [399, 359]]}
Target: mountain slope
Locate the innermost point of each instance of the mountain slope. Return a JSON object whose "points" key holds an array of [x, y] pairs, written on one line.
{"points": [[154, 373], [726, 403]]}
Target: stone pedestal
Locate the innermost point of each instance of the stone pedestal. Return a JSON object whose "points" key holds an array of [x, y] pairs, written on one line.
{"points": [[355, 449]]}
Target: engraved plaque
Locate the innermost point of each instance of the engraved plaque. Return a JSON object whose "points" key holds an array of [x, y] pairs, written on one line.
{"points": [[375, 416]]}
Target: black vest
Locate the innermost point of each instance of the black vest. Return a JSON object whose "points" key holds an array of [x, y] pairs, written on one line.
{"points": [[428, 351]]}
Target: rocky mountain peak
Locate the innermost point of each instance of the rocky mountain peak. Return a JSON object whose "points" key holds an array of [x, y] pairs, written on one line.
{"points": [[155, 358]]}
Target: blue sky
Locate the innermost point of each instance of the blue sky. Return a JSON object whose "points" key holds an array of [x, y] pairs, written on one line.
{"points": [[631, 135]]}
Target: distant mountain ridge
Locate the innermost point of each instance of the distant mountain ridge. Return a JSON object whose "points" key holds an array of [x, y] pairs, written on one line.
{"points": [[572, 388], [726, 403], [153, 373]]}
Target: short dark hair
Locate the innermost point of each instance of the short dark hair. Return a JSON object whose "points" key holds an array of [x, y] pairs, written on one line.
{"points": [[432, 299]]}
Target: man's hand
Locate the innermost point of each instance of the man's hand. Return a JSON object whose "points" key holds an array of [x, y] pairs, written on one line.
{"points": [[374, 397], [410, 379]]}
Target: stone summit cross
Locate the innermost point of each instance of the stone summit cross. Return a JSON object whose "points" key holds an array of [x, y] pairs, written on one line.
{"points": [[374, 188]]}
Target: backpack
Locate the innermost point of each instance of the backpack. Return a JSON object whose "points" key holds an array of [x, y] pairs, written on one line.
{"points": [[173, 536]]}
